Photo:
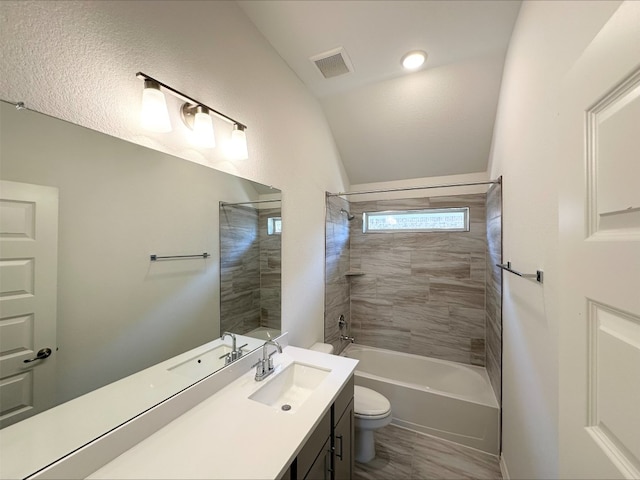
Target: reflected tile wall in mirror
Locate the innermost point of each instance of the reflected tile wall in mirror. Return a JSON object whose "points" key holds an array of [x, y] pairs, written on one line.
{"points": [[250, 270], [270, 271]]}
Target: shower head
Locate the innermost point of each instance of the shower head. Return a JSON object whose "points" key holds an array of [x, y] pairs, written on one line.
{"points": [[349, 216]]}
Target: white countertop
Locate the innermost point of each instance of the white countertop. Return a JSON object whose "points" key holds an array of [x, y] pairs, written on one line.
{"points": [[229, 435]]}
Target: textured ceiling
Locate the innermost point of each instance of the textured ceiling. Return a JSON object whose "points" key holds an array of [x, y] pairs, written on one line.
{"points": [[389, 124]]}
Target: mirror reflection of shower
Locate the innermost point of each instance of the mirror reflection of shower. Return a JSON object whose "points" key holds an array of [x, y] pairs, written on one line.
{"points": [[250, 260], [349, 216]]}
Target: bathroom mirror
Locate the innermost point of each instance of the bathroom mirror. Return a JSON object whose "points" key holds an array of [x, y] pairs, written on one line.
{"points": [[111, 310]]}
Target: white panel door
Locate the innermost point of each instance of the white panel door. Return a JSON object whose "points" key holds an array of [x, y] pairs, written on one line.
{"points": [[599, 222], [28, 293]]}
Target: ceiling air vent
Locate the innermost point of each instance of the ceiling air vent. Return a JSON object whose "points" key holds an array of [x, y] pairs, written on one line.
{"points": [[333, 63]]}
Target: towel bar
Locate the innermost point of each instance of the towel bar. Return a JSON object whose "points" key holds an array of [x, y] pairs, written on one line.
{"points": [[539, 275], [200, 255]]}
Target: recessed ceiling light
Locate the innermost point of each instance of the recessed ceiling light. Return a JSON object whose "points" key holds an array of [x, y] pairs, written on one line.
{"points": [[414, 60]]}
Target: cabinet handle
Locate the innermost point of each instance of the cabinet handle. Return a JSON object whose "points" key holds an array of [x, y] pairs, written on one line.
{"points": [[327, 469], [339, 455]]}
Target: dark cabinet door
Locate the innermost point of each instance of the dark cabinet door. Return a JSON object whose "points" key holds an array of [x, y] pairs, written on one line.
{"points": [[344, 445], [321, 468]]}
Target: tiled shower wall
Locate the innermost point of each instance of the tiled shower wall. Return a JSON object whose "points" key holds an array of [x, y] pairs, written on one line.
{"points": [[493, 322], [421, 293], [336, 268], [250, 261], [239, 269], [270, 276]]}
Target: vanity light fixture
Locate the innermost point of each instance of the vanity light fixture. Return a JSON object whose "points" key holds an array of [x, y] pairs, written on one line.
{"points": [[196, 115], [154, 115], [197, 118], [414, 60], [238, 150]]}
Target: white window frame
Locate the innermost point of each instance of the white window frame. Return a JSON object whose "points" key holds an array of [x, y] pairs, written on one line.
{"points": [[271, 225], [367, 215]]}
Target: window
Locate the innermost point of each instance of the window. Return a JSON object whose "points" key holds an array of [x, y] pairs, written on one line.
{"points": [[274, 225], [426, 220]]}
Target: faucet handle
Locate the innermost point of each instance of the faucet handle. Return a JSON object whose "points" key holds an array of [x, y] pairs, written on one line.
{"points": [[261, 372], [259, 364], [228, 358]]}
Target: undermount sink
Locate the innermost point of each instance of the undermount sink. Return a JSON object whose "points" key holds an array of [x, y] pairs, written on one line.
{"points": [[289, 389], [203, 364]]}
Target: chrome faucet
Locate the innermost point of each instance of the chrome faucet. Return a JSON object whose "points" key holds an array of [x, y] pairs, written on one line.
{"points": [[344, 337], [235, 353], [264, 366]]}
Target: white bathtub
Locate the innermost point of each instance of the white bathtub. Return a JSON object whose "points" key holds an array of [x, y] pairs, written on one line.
{"points": [[446, 399]]}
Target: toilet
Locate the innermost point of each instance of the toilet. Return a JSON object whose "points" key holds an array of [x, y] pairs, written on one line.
{"points": [[371, 411]]}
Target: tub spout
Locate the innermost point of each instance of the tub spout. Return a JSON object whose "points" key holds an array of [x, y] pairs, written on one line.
{"points": [[344, 337]]}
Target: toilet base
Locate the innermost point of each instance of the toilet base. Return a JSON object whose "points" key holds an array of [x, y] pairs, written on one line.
{"points": [[365, 446], [365, 442]]}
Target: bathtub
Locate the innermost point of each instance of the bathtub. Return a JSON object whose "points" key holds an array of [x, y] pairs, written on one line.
{"points": [[446, 399]]}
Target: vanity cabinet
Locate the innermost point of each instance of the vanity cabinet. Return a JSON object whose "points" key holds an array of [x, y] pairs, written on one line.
{"points": [[343, 448], [311, 460], [328, 453]]}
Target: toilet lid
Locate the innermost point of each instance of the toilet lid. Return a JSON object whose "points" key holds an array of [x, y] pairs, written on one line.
{"points": [[369, 402]]}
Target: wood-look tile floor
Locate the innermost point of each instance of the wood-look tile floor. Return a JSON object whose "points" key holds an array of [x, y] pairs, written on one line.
{"points": [[403, 454]]}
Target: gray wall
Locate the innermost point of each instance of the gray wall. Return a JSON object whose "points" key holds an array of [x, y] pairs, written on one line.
{"points": [[422, 293], [493, 298]]}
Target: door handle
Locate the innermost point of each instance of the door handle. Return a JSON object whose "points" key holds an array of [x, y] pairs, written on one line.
{"points": [[41, 355]]}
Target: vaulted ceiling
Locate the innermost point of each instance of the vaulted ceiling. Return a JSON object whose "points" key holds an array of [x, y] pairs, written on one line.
{"points": [[390, 124]]}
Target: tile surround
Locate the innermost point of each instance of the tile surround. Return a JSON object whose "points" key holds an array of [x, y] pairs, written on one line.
{"points": [[337, 284], [493, 297], [419, 280], [434, 294]]}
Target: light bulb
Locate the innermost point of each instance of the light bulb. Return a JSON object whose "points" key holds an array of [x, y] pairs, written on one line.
{"points": [[414, 60], [154, 115], [238, 150], [203, 133]]}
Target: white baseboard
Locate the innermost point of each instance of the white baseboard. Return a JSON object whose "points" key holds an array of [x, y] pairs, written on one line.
{"points": [[503, 468]]}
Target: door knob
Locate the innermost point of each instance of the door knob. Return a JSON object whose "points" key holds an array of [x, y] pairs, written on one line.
{"points": [[41, 355]]}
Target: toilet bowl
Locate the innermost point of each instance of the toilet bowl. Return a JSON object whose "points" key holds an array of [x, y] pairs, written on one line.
{"points": [[371, 411]]}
